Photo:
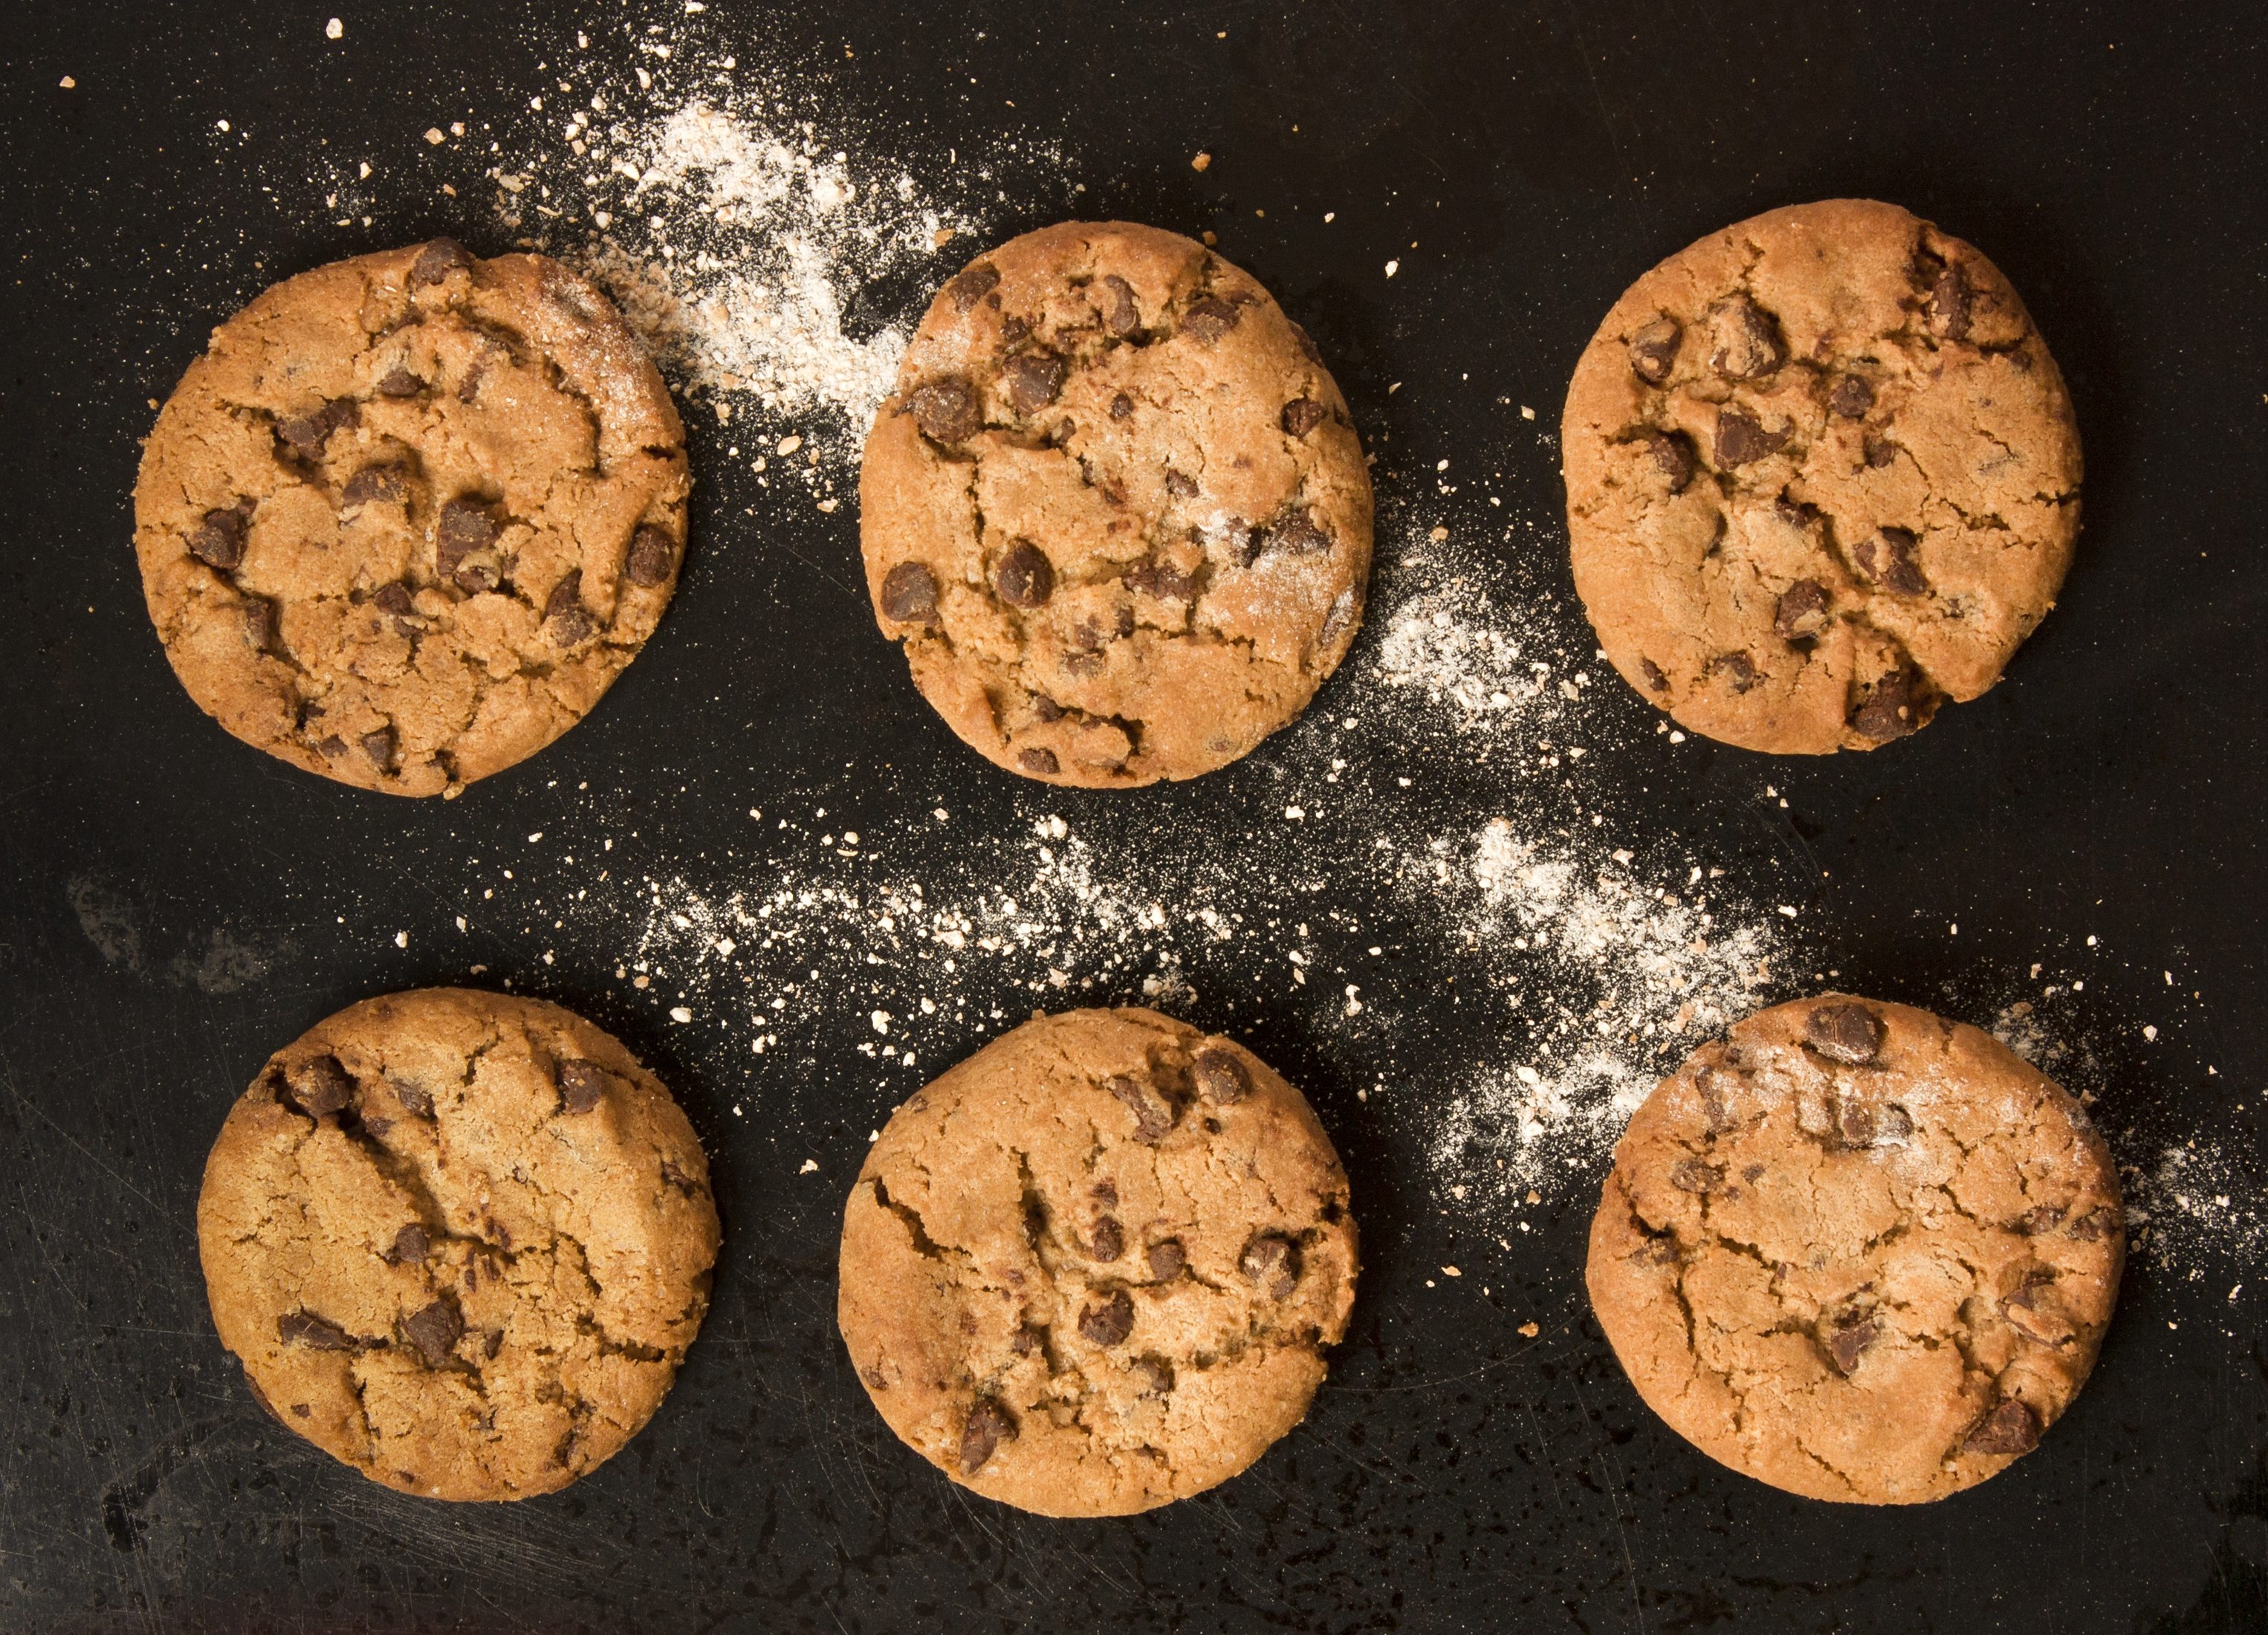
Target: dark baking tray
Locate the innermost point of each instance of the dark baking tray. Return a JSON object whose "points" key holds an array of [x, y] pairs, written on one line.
{"points": [[173, 905]]}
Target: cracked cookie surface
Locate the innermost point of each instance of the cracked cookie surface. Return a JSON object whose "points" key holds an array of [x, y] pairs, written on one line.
{"points": [[1858, 1252], [410, 514], [1822, 476], [1093, 1269], [1115, 509], [458, 1240]]}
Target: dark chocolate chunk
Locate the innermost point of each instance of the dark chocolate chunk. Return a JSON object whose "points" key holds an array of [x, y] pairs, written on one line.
{"points": [[1041, 763], [2011, 1428], [1854, 1123], [1013, 330], [1220, 1075], [989, 1424], [1880, 453], [1109, 1319], [1271, 1261], [1153, 576], [218, 541], [2045, 1217], [1847, 1032], [1898, 705], [1742, 439], [1179, 486], [1801, 613], [1120, 315], [1950, 303], [1120, 406], [1692, 1174], [322, 1087], [410, 1246], [397, 598], [305, 435], [1154, 1114], [1295, 531], [333, 746], [438, 259], [380, 746], [263, 626], [464, 527], [1209, 318], [1737, 668], [1107, 1241], [1654, 349], [909, 594], [652, 556], [946, 408], [1024, 577], [582, 1086], [299, 1328], [398, 382], [1303, 415], [434, 1330], [1654, 678], [1035, 380], [1848, 1339], [1852, 396], [1156, 1375], [415, 1098], [564, 613], [1673, 456], [972, 285], [375, 482], [1887, 557], [1744, 340], [1167, 1258], [1345, 608]]}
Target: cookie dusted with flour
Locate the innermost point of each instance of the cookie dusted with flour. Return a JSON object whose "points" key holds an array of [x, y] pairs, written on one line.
{"points": [[1093, 1269], [1822, 476], [1115, 509], [458, 1240], [1858, 1252], [411, 514]]}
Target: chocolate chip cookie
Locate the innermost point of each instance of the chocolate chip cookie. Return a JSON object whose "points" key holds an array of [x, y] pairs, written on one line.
{"points": [[1858, 1252], [1115, 509], [1093, 1269], [411, 514], [1822, 476], [458, 1240]]}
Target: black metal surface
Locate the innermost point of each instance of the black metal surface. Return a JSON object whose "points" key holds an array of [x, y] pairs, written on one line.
{"points": [[173, 905]]}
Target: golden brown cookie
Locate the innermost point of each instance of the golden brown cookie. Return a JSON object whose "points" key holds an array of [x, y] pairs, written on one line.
{"points": [[458, 1240], [1093, 1269], [1858, 1252], [411, 514], [1822, 476], [1115, 509]]}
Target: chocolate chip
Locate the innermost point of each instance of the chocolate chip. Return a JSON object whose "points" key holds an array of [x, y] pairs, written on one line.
{"points": [[1167, 1258], [372, 483], [1897, 706], [564, 613], [410, 1246], [415, 1098], [652, 556], [2092, 1226], [438, 259], [1013, 330], [1854, 1123], [1271, 1261], [1107, 1241], [1801, 615], [1024, 577], [1654, 349], [1848, 1340], [1153, 1114], [1744, 340], [1654, 678], [1303, 415], [263, 626], [322, 1087], [1109, 1319], [582, 1085], [1887, 557], [2011, 1428], [1039, 763], [306, 434], [909, 594], [1691, 1174], [1880, 453], [398, 382], [988, 1425], [1156, 1373], [1209, 318], [299, 1328], [1179, 486], [434, 1330], [1950, 303], [1036, 379], [1047, 709], [333, 746], [380, 746], [395, 599], [1120, 406], [1027, 1341], [1345, 608], [946, 408], [2046, 1217], [972, 285], [465, 526], [218, 541], [1295, 531], [1849, 1033], [1673, 456], [1852, 396], [1153, 576], [1735, 667], [1710, 1085], [1122, 317], [1220, 1075], [1741, 439]]}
